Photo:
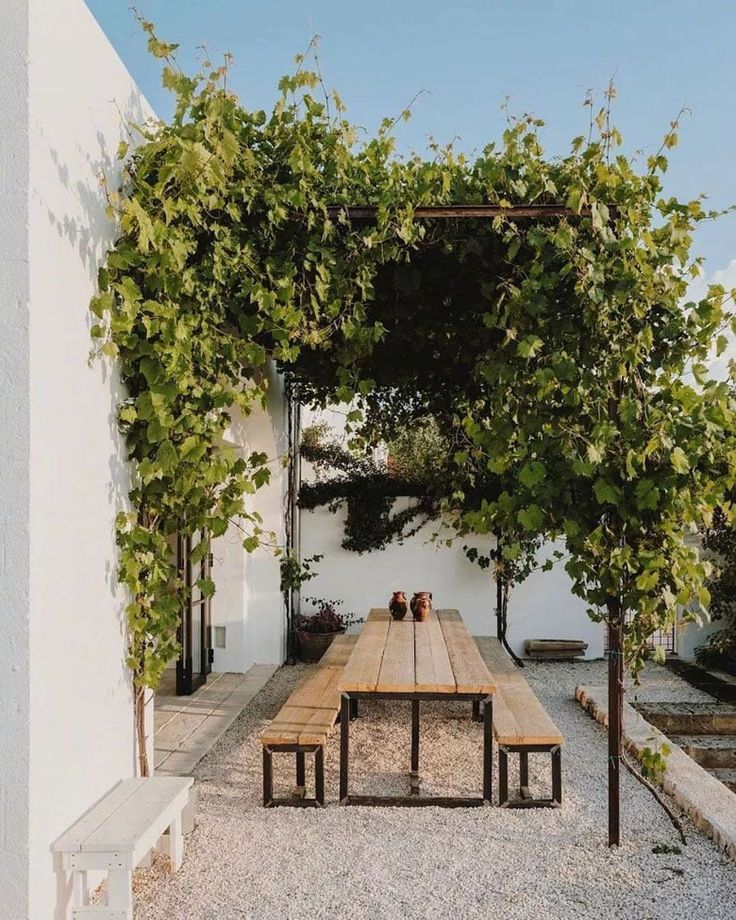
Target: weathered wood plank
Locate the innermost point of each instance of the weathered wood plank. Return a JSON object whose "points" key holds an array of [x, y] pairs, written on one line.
{"points": [[397, 673], [518, 716], [309, 705], [339, 652], [364, 665], [433, 670], [470, 671], [322, 719]]}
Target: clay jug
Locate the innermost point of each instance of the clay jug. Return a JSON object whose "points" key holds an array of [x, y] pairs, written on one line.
{"points": [[421, 604], [398, 605]]}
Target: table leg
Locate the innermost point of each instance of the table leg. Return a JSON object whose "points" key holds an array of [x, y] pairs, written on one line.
{"points": [[488, 750], [344, 746], [414, 775], [524, 775]]}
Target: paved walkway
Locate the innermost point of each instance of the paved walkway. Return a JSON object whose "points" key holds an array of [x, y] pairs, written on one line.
{"points": [[187, 727]]}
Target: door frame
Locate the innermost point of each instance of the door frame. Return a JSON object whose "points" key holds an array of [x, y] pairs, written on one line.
{"points": [[191, 674]]}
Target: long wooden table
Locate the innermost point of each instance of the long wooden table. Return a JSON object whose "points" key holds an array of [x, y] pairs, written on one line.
{"points": [[404, 660]]}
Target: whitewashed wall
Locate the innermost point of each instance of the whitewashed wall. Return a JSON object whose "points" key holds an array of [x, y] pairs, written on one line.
{"points": [[79, 715], [248, 601], [540, 608], [14, 460], [543, 607]]}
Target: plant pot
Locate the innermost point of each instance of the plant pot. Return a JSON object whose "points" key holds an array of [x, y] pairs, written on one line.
{"points": [[312, 646]]}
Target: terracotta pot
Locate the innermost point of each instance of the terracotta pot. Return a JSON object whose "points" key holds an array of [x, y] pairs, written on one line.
{"points": [[421, 605], [312, 646], [398, 605]]}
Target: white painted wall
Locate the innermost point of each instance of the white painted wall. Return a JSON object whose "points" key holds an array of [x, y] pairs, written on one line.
{"points": [[543, 607], [690, 636], [14, 459], [81, 719], [248, 601]]}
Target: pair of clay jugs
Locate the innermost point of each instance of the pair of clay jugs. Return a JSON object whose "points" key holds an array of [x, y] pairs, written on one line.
{"points": [[420, 604]]}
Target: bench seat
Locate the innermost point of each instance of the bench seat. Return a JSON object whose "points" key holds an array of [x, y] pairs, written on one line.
{"points": [[304, 722], [521, 725], [117, 833]]}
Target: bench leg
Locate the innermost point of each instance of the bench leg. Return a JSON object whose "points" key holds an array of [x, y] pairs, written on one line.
{"points": [[476, 711], [298, 797], [525, 799], [267, 776], [344, 745], [353, 709], [524, 774], [120, 891], [319, 775], [80, 888], [175, 844], [503, 776], [557, 775], [488, 750]]}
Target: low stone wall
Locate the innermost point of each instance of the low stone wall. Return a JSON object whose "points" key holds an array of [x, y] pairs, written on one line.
{"points": [[710, 805]]}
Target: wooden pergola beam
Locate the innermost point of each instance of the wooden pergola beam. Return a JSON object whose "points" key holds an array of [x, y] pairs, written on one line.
{"points": [[478, 211]]}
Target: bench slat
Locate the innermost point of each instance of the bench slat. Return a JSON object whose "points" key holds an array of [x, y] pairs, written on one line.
{"points": [[309, 714], [126, 815], [518, 716], [71, 841], [339, 652], [133, 821]]}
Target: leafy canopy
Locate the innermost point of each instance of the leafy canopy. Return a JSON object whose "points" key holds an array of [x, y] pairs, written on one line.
{"points": [[550, 353]]}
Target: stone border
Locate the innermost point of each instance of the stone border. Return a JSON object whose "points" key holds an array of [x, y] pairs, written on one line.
{"points": [[710, 805]]}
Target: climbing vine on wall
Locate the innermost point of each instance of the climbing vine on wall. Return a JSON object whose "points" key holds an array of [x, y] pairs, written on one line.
{"points": [[551, 353], [369, 489]]}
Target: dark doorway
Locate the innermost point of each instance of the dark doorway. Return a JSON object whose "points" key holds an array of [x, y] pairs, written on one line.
{"points": [[195, 630]]}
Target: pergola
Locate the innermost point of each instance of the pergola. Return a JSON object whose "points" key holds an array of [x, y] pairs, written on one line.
{"points": [[614, 651]]}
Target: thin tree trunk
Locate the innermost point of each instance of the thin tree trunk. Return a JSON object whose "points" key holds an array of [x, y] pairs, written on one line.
{"points": [[615, 716], [140, 731], [503, 589]]}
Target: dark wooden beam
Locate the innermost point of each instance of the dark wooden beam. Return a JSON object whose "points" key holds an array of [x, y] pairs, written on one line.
{"points": [[461, 211]]}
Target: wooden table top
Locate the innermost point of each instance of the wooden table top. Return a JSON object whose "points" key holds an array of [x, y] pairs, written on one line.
{"points": [[401, 656]]}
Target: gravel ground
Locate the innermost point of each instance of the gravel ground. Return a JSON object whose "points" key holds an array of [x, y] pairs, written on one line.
{"points": [[373, 863]]}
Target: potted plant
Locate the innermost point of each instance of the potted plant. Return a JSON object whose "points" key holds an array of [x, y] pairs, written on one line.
{"points": [[315, 631]]}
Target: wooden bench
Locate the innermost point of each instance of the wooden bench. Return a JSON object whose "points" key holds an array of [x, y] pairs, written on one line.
{"points": [[116, 834], [521, 726], [303, 724]]}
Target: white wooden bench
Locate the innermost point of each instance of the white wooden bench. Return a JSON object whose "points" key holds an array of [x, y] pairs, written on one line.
{"points": [[522, 726], [304, 723], [115, 836]]}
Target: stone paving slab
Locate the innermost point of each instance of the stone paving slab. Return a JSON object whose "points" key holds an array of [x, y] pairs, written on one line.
{"points": [[187, 727], [710, 804]]}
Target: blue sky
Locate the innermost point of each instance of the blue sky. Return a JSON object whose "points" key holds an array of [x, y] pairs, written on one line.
{"points": [[469, 55]]}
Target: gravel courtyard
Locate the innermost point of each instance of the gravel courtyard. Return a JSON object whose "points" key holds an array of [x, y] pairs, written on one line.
{"points": [[372, 863]]}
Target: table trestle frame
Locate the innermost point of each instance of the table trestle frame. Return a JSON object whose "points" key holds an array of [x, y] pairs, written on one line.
{"points": [[483, 701]]}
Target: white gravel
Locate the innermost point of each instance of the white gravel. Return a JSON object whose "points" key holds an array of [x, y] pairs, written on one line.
{"points": [[372, 863]]}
